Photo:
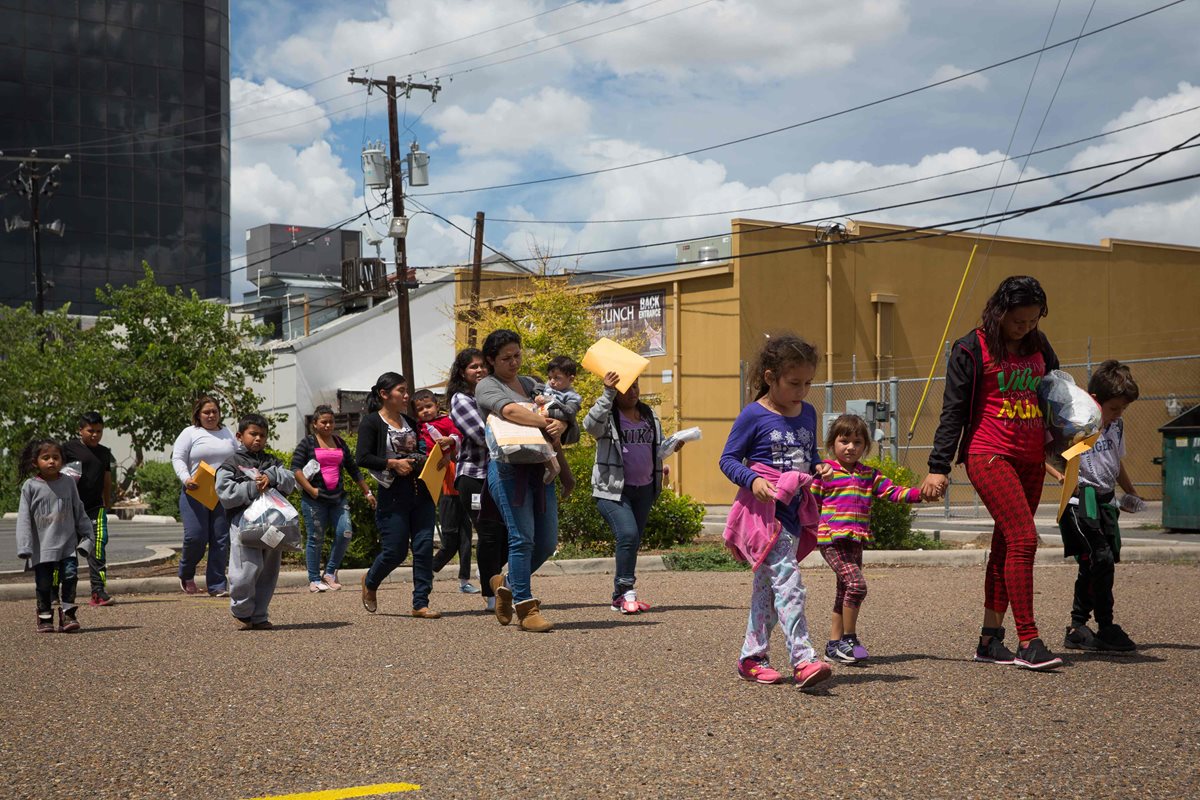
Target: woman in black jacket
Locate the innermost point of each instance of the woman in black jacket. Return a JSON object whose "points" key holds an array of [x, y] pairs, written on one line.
{"points": [[991, 416], [324, 503], [389, 446]]}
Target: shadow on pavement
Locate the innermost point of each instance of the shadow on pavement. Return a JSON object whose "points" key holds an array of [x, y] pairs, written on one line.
{"points": [[311, 626], [602, 624], [842, 678], [1169, 647], [1114, 658], [901, 657], [653, 608]]}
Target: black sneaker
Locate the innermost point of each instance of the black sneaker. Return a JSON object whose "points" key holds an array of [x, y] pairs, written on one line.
{"points": [[1035, 656], [1111, 637], [994, 652], [1080, 637]]}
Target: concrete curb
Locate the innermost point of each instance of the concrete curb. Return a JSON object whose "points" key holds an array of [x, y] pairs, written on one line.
{"points": [[350, 578], [161, 554]]}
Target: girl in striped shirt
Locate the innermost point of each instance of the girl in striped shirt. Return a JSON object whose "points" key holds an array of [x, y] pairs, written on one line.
{"points": [[845, 489]]}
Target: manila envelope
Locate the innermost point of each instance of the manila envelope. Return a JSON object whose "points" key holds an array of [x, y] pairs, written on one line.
{"points": [[1071, 473], [607, 356], [434, 476], [206, 486]]}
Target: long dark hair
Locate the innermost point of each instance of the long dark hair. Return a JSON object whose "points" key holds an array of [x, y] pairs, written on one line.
{"points": [[779, 353], [457, 382], [386, 382], [29, 455], [199, 405], [495, 342], [1015, 291]]}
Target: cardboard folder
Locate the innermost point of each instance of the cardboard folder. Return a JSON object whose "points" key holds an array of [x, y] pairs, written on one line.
{"points": [[433, 475], [1071, 473], [607, 356], [205, 492]]}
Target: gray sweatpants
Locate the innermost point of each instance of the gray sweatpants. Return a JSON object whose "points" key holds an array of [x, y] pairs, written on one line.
{"points": [[253, 574]]}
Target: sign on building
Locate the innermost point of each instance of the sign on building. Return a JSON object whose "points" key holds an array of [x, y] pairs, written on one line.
{"points": [[637, 317]]}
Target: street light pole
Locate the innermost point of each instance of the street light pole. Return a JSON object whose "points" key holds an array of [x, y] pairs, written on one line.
{"points": [[29, 182]]}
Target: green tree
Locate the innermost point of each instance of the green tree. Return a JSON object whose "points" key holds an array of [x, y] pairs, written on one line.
{"points": [[48, 372], [161, 349]]}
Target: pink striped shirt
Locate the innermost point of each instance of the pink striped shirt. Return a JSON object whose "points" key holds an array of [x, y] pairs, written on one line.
{"points": [[845, 498]]}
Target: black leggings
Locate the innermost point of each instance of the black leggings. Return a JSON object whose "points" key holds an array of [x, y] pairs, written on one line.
{"points": [[491, 552]]}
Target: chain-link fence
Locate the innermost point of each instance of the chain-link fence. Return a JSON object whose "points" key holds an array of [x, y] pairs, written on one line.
{"points": [[1168, 386]]}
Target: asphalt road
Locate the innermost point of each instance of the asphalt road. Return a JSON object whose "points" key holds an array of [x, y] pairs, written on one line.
{"points": [[160, 697], [127, 541]]}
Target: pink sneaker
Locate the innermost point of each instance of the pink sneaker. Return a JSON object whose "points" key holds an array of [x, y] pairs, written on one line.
{"points": [[331, 581], [811, 673], [629, 604], [757, 670]]}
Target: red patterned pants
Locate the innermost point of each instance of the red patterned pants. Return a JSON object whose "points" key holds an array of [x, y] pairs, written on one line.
{"points": [[845, 556], [1010, 489]]}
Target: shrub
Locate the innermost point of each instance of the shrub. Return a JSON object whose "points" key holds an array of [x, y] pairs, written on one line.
{"points": [[703, 558], [674, 519], [891, 523], [159, 488]]}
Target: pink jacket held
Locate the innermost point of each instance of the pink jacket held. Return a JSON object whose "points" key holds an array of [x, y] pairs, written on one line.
{"points": [[751, 529]]}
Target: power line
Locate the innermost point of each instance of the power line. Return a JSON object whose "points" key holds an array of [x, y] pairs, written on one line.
{"points": [[858, 213], [803, 123], [839, 195]]}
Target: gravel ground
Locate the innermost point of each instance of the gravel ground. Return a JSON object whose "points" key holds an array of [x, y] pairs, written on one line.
{"points": [[160, 697]]}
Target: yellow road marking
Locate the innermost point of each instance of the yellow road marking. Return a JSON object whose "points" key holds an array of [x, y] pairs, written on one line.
{"points": [[351, 791]]}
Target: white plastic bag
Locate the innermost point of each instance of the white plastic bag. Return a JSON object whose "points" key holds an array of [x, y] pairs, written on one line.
{"points": [[72, 469], [270, 523], [311, 469], [673, 442], [1071, 413]]}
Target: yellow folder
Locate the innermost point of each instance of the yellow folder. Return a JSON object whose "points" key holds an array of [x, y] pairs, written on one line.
{"points": [[607, 356], [206, 486], [433, 475], [1071, 474]]}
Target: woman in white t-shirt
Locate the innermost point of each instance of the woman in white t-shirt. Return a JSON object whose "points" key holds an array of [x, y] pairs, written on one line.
{"points": [[207, 440]]}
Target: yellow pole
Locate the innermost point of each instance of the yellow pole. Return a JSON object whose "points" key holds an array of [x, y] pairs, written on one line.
{"points": [[949, 321]]}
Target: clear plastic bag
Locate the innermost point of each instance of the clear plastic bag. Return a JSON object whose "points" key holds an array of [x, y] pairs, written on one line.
{"points": [[72, 469], [1071, 414], [676, 440], [270, 523]]}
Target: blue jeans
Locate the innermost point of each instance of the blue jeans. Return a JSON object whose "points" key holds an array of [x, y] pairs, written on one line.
{"points": [[532, 536], [318, 518], [52, 577], [627, 519], [204, 529], [405, 516]]}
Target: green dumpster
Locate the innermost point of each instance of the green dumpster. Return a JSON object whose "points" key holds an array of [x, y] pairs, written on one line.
{"points": [[1181, 471]]}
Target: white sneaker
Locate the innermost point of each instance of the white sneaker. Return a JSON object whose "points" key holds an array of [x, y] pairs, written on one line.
{"points": [[317, 586], [629, 604]]}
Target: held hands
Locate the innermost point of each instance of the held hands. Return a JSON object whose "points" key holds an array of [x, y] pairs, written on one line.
{"points": [[934, 486], [822, 470], [400, 466], [611, 379], [763, 490]]}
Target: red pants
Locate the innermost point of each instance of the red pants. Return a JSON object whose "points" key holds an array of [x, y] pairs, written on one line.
{"points": [[845, 556], [1010, 489]]}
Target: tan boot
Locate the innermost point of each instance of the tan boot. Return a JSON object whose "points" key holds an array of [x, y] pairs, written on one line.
{"points": [[530, 615], [504, 604]]}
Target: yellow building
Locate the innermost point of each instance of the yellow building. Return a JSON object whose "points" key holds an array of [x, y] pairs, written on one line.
{"points": [[877, 310]]}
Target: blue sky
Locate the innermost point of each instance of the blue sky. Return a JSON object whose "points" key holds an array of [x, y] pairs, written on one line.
{"points": [[684, 74]]}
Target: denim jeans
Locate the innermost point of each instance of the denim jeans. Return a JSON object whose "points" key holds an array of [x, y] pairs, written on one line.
{"points": [[627, 519], [318, 518], [53, 577], [491, 552], [204, 529], [405, 517], [532, 536]]}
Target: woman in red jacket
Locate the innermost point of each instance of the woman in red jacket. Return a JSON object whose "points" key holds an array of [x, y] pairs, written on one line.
{"points": [[990, 413]]}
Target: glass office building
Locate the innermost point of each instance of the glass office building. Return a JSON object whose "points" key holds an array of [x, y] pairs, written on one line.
{"points": [[137, 92]]}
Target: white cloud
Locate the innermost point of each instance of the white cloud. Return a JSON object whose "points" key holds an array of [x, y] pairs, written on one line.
{"points": [[535, 121], [978, 82], [271, 112], [1173, 222]]}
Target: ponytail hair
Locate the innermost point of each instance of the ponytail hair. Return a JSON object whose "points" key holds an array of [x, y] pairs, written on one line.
{"points": [[781, 352], [386, 382]]}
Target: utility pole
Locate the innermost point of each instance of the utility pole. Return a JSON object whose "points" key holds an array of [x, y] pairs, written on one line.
{"points": [[476, 277], [392, 88], [30, 184]]}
